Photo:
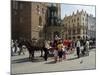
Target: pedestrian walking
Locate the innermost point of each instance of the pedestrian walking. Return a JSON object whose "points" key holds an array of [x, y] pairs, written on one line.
{"points": [[46, 48], [60, 51], [87, 47], [15, 45], [78, 48]]}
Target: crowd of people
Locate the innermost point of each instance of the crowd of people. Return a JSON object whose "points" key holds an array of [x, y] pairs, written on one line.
{"points": [[17, 47], [60, 48]]}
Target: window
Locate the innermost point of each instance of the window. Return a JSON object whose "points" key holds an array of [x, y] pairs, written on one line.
{"points": [[83, 24], [66, 24], [40, 21], [78, 31], [69, 27], [86, 19], [83, 18], [83, 31], [52, 21], [69, 38], [37, 6], [78, 19], [15, 12], [69, 21], [15, 5], [21, 6], [73, 25], [74, 20], [77, 24], [69, 31], [21, 19], [74, 32]]}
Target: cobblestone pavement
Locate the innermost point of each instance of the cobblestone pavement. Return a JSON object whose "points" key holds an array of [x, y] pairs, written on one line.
{"points": [[21, 64]]}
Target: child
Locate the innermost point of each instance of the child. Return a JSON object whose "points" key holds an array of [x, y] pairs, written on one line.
{"points": [[55, 54], [64, 52]]}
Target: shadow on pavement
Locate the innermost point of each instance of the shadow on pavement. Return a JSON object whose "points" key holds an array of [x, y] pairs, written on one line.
{"points": [[23, 60], [72, 58], [51, 62], [81, 56], [20, 60]]}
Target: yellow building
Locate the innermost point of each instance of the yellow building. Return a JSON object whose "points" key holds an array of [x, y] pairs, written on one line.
{"points": [[75, 25]]}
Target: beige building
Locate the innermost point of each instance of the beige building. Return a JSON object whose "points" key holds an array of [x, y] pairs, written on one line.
{"points": [[38, 19], [75, 25]]}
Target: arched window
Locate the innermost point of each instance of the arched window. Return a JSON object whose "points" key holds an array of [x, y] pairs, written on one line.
{"points": [[78, 19], [40, 20]]}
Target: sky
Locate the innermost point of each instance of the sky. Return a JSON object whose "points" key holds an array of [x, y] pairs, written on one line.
{"points": [[69, 8]]}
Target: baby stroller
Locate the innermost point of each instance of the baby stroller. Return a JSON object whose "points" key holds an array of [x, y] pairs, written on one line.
{"points": [[85, 51]]}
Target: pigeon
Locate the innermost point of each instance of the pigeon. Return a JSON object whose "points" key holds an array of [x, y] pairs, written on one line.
{"points": [[81, 61]]}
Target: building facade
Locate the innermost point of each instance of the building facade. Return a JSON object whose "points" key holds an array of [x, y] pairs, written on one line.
{"points": [[77, 25], [91, 27], [21, 19], [34, 20]]}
